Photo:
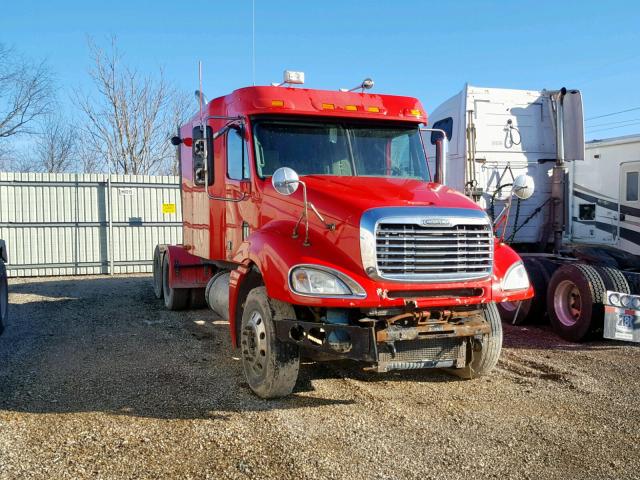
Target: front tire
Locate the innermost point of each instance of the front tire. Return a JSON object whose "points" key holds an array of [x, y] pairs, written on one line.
{"points": [[487, 351], [484, 353], [270, 366]]}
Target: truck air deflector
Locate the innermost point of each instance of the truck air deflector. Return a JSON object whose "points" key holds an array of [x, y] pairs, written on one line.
{"points": [[426, 244]]}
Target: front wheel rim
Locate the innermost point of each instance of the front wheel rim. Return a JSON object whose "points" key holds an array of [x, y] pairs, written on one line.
{"points": [[254, 344], [567, 303]]}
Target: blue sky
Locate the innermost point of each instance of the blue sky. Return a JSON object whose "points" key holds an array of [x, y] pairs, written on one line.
{"points": [[418, 48]]}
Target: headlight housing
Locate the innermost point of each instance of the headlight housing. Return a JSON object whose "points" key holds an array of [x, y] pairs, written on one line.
{"points": [[320, 281], [516, 278]]}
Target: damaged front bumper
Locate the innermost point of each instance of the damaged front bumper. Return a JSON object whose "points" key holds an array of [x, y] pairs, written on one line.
{"points": [[438, 344]]}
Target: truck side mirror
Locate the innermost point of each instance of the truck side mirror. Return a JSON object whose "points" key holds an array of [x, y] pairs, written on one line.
{"points": [[441, 141], [573, 126], [285, 181], [198, 156], [442, 151]]}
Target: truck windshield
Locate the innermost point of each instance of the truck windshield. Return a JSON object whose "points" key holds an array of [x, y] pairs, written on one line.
{"points": [[340, 149]]}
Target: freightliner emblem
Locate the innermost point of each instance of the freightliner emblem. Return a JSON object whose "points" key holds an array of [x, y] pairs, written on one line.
{"points": [[434, 221]]}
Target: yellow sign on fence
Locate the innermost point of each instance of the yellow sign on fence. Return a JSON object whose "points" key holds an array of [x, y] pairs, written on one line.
{"points": [[168, 208]]}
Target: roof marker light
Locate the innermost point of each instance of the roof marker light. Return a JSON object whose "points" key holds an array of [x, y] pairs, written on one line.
{"points": [[328, 106], [277, 103], [351, 108], [296, 78], [373, 109], [290, 78]]}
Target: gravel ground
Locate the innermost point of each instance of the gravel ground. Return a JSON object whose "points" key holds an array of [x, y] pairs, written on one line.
{"points": [[97, 380]]}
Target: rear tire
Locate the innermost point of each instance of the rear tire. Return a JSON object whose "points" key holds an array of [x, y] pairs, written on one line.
{"points": [[4, 296], [270, 366], [157, 272], [174, 298], [614, 280], [574, 301]]}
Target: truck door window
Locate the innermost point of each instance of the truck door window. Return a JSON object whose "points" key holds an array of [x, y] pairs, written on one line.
{"points": [[237, 158], [632, 186]]}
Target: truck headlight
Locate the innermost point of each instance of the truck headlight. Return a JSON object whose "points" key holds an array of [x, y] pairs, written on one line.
{"points": [[516, 278], [317, 280]]}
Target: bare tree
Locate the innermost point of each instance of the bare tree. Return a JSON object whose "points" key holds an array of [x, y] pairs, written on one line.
{"points": [[89, 161], [55, 146], [130, 120], [25, 92], [6, 162]]}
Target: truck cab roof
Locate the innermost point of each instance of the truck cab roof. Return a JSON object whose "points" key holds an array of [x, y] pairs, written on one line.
{"points": [[284, 100]]}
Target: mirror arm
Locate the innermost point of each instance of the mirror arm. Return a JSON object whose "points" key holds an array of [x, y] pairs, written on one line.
{"points": [[304, 215], [330, 226]]}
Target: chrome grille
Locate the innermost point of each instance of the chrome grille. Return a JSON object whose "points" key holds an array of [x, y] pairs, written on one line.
{"points": [[457, 252]]}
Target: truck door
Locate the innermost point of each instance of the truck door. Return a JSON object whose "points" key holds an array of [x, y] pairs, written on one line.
{"points": [[239, 214], [629, 223], [195, 203]]}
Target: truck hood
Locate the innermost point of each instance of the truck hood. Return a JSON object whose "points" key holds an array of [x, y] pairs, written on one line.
{"points": [[346, 198]]}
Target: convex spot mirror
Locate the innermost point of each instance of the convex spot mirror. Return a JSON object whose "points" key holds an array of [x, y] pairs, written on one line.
{"points": [[523, 187], [285, 181]]}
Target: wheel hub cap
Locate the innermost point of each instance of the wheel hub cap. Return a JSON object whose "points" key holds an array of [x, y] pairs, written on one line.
{"points": [[254, 343], [568, 303]]}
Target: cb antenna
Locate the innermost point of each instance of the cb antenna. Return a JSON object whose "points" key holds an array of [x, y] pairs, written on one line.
{"points": [[205, 141], [253, 40], [202, 99]]}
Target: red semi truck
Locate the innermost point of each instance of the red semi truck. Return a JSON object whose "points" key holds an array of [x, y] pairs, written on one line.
{"points": [[313, 224]]}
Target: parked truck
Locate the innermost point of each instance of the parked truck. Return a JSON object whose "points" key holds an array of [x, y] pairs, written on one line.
{"points": [[579, 233], [313, 223], [4, 287]]}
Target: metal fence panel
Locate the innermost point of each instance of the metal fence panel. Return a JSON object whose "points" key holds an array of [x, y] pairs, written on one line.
{"points": [[75, 224]]}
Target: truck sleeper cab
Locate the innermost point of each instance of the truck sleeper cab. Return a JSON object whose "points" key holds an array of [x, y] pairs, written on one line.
{"points": [[578, 233], [313, 224]]}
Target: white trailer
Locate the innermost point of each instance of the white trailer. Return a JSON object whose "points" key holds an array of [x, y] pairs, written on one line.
{"points": [[576, 231]]}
